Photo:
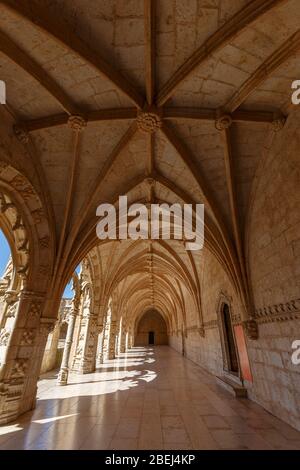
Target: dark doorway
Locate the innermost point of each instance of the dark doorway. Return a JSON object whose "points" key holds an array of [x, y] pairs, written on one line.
{"points": [[151, 337], [229, 339]]}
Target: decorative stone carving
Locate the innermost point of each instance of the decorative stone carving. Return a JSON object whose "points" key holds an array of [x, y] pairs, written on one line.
{"points": [[4, 336], [278, 123], [62, 377], [22, 271], [10, 297], [4, 205], [278, 312], [11, 311], [35, 310], [77, 123], [21, 185], [38, 216], [201, 331], [18, 223], [148, 122], [7, 276], [210, 324], [44, 242], [223, 122], [251, 329], [23, 247], [3, 166], [150, 181], [21, 134], [20, 368], [28, 337]]}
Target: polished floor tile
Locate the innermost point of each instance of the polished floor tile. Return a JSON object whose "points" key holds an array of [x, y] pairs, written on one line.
{"points": [[147, 398]]}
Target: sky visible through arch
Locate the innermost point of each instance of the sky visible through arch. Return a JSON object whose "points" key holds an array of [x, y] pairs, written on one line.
{"points": [[4, 252], [68, 293]]}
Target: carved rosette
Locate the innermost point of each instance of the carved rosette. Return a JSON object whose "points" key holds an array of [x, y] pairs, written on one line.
{"points": [[251, 329], [148, 122], [278, 123], [21, 134], [28, 337], [223, 122], [77, 123], [201, 331]]}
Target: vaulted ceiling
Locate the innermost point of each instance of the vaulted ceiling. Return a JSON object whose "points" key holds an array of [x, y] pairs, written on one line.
{"points": [[160, 100]]}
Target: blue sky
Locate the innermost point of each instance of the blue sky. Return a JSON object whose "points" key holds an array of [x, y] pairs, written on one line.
{"points": [[4, 252], [4, 255], [68, 290]]}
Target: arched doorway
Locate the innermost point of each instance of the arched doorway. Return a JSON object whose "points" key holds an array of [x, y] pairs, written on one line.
{"points": [[151, 330], [231, 360]]}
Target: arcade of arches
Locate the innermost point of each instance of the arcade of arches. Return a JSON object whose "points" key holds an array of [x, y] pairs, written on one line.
{"points": [[163, 101]]}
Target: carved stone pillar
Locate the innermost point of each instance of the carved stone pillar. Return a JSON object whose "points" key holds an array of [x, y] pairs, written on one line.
{"points": [[21, 354], [126, 340], [84, 362], [50, 353], [130, 340], [99, 354], [123, 341], [64, 369], [112, 340], [62, 378]]}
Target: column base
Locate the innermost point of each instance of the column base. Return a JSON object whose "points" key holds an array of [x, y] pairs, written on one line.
{"points": [[62, 378]]}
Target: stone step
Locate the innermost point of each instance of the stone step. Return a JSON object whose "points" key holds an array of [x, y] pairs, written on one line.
{"points": [[232, 387]]}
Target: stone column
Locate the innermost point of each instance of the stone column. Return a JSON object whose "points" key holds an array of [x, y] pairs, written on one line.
{"points": [[64, 369], [22, 353], [84, 362], [130, 340], [123, 341], [50, 355], [112, 340], [99, 358], [126, 340]]}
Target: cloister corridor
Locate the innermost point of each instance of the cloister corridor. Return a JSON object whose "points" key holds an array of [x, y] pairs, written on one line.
{"points": [[147, 398]]}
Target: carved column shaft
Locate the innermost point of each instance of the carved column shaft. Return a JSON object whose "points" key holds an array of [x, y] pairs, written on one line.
{"points": [[64, 369], [112, 340], [21, 361], [123, 341]]}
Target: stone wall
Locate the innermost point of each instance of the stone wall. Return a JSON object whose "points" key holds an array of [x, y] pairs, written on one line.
{"points": [[151, 321], [276, 381], [274, 264]]}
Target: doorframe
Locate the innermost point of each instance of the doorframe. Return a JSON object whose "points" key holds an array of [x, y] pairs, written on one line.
{"points": [[149, 333], [225, 299]]}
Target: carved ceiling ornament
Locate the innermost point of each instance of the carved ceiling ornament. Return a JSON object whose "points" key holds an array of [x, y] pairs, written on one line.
{"points": [[148, 122], [278, 123], [77, 123], [21, 134], [223, 122]]}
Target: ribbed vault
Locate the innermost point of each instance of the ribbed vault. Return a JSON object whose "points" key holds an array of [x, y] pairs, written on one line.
{"points": [[112, 98]]}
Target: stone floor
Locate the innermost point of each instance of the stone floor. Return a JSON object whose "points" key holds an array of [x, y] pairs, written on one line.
{"points": [[148, 398]]}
